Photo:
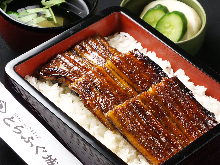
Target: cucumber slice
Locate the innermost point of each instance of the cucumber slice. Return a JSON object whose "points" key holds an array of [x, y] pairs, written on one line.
{"points": [[154, 14], [173, 25]]}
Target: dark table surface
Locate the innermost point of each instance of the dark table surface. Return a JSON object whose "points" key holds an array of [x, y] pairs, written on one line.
{"points": [[209, 53]]}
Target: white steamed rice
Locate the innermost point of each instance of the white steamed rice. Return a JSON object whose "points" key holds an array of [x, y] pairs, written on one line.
{"points": [[74, 108]]}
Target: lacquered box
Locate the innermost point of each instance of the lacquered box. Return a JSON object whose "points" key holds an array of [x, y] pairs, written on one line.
{"points": [[88, 149]]}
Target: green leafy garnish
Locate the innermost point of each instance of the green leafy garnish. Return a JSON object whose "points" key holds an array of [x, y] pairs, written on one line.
{"points": [[52, 14], [50, 3], [35, 15]]}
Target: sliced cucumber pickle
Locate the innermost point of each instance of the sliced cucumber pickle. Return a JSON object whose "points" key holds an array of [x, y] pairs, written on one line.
{"points": [[154, 14], [173, 25]]}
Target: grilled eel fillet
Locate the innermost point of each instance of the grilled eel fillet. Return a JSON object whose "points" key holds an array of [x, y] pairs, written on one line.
{"points": [[161, 121], [133, 71], [86, 69], [65, 68], [100, 93], [73, 64], [138, 70]]}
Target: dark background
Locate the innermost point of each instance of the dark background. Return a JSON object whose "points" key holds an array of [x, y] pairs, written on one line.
{"points": [[209, 53]]}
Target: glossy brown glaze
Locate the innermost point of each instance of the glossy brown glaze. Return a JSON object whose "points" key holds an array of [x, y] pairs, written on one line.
{"points": [[143, 131], [163, 117], [184, 96], [159, 122], [136, 69], [93, 100], [178, 115], [99, 92], [163, 113], [102, 47], [179, 102], [108, 88], [120, 81], [155, 128], [182, 103], [66, 67], [94, 53], [133, 71], [92, 57], [83, 68]]}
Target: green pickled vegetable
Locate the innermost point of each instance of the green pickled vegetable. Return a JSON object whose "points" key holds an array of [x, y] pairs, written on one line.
{"points": [[173, 25], [153, 15]]}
